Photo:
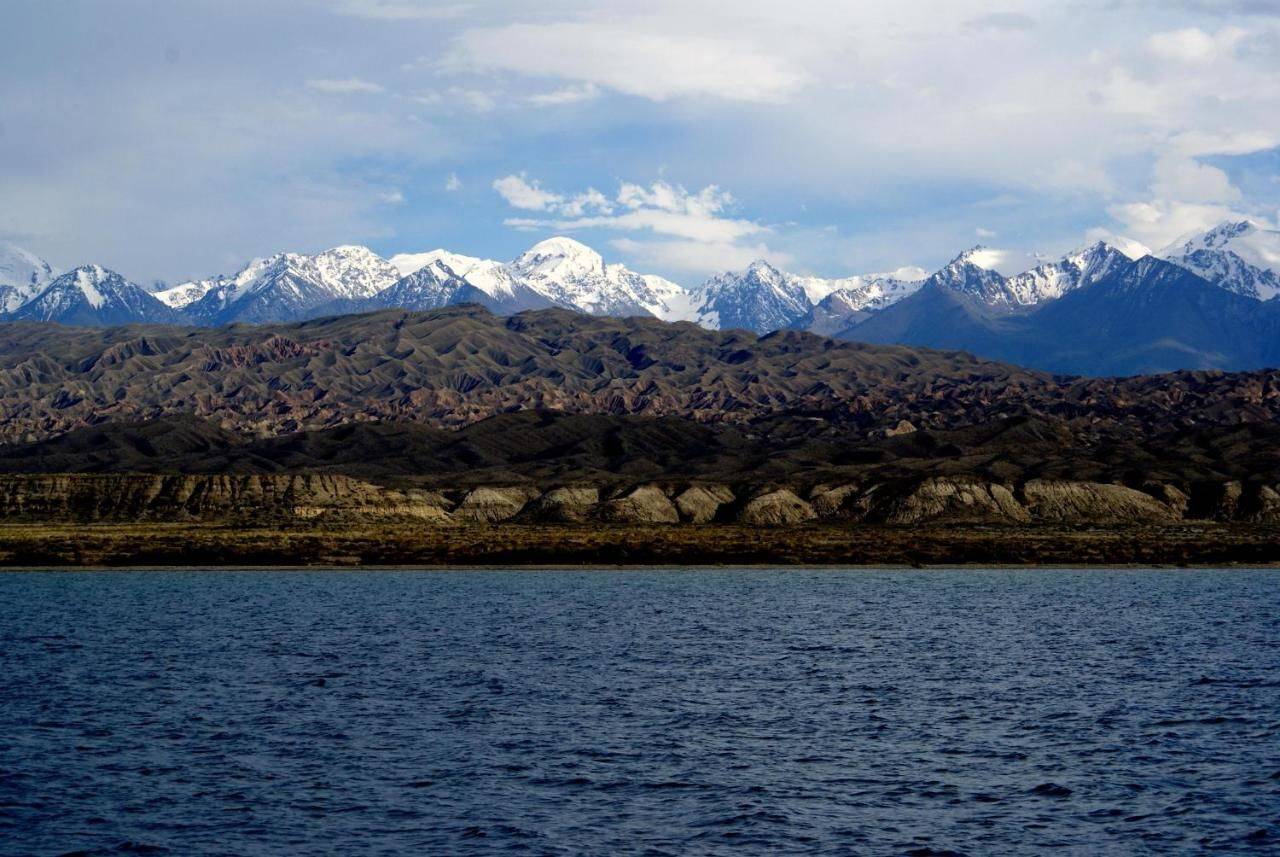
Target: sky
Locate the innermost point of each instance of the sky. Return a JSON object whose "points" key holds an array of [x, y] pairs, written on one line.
{"points": [[176, 140]]}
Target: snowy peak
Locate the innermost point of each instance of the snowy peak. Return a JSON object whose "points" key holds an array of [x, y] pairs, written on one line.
{"points": [[23, 275], [976, 273], [351, 271], [973, 273], [559, 259], [1051, 280], [1241, 256], [93, 295], [763, 298], [981, 257], [23, 269], [285, 286], [431, 286]]}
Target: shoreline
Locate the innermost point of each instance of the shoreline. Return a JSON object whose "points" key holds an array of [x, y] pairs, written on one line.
{"points": [[515, 567], [390, 546]]}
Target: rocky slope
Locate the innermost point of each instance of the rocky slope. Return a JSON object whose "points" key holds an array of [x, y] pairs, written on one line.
{"points": [[261, 499], [457, 365], [23, 275], [1144, 316], [549, 468], [1241, 257], [93, 295]]}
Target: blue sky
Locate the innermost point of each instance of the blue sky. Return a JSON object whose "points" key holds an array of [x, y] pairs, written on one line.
{"points": [[180, 139]]}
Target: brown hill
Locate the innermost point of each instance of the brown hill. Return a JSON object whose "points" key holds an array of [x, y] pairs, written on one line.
{"points": [[459, 365]]}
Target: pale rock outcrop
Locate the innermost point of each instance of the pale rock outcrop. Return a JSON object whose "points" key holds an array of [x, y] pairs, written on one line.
{"points": [[833, 501], [1170, 495], [491, 505], [699, 504], [1054, 501], [776, 508], [154, 497], [569, 504], [903, 427], [645, 505], [1265, 506], [943, 498]]}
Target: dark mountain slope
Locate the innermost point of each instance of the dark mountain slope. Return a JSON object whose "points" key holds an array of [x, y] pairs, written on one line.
{"points": [[459, 365], [615, 451], [1147, 316]]}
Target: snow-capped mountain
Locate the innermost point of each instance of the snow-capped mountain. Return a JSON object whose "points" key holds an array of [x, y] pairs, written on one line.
{"points": [[974, 273], [432, 286], [761, 298], [284, 287], [1051, 280], [1241, 257], [23, 275], [558, 272], [94, 296], [572, 275]]}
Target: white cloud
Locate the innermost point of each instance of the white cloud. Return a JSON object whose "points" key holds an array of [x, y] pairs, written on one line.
{"points": [[1193, 45], [690, 229], [392, 197], [565, 95], [1188, 180], [1130, 247], [453, 183], [519, 192], [661, 208], [1002, 22], [1159, 223], [984, 233], [346, 86], [697, 257], [657, 65], [458, 97], [402, 10]]}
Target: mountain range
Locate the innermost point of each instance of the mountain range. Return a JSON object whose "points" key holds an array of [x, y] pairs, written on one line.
{"points": [[1205, 302]]}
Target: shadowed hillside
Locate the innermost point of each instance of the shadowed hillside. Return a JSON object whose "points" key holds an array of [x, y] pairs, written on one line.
{"points": [[459, 365]]}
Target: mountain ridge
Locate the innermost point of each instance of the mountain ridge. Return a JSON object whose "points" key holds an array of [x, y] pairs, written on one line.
{"points": [[954, 307]]}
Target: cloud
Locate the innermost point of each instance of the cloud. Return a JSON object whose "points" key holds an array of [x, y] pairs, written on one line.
{"points": [[1008, 22], [566, 95], [984, 233], [522, 193], [453, 183], [347, 86], [1189, 180], [458, 97], [661, 208], [658, 66], [697, 257], [1160, 222], [893, 120], [689, 229], [1194, 45], [401, 10], [395, 196], [1126, 245]]}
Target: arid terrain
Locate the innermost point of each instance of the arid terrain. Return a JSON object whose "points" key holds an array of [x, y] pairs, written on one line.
{"points": [[458, 436], [458, 365]]}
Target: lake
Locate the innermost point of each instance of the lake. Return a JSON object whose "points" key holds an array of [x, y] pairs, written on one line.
{"points": [[646, 711]]}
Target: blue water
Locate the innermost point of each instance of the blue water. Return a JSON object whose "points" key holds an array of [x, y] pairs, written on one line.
{"points": [[656, 712]]}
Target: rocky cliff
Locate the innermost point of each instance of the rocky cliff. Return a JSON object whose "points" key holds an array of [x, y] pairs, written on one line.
{"points": [[329, 498]]}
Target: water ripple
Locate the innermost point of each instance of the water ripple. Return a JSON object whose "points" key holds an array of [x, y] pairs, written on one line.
{"points": [[644, 712]]}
